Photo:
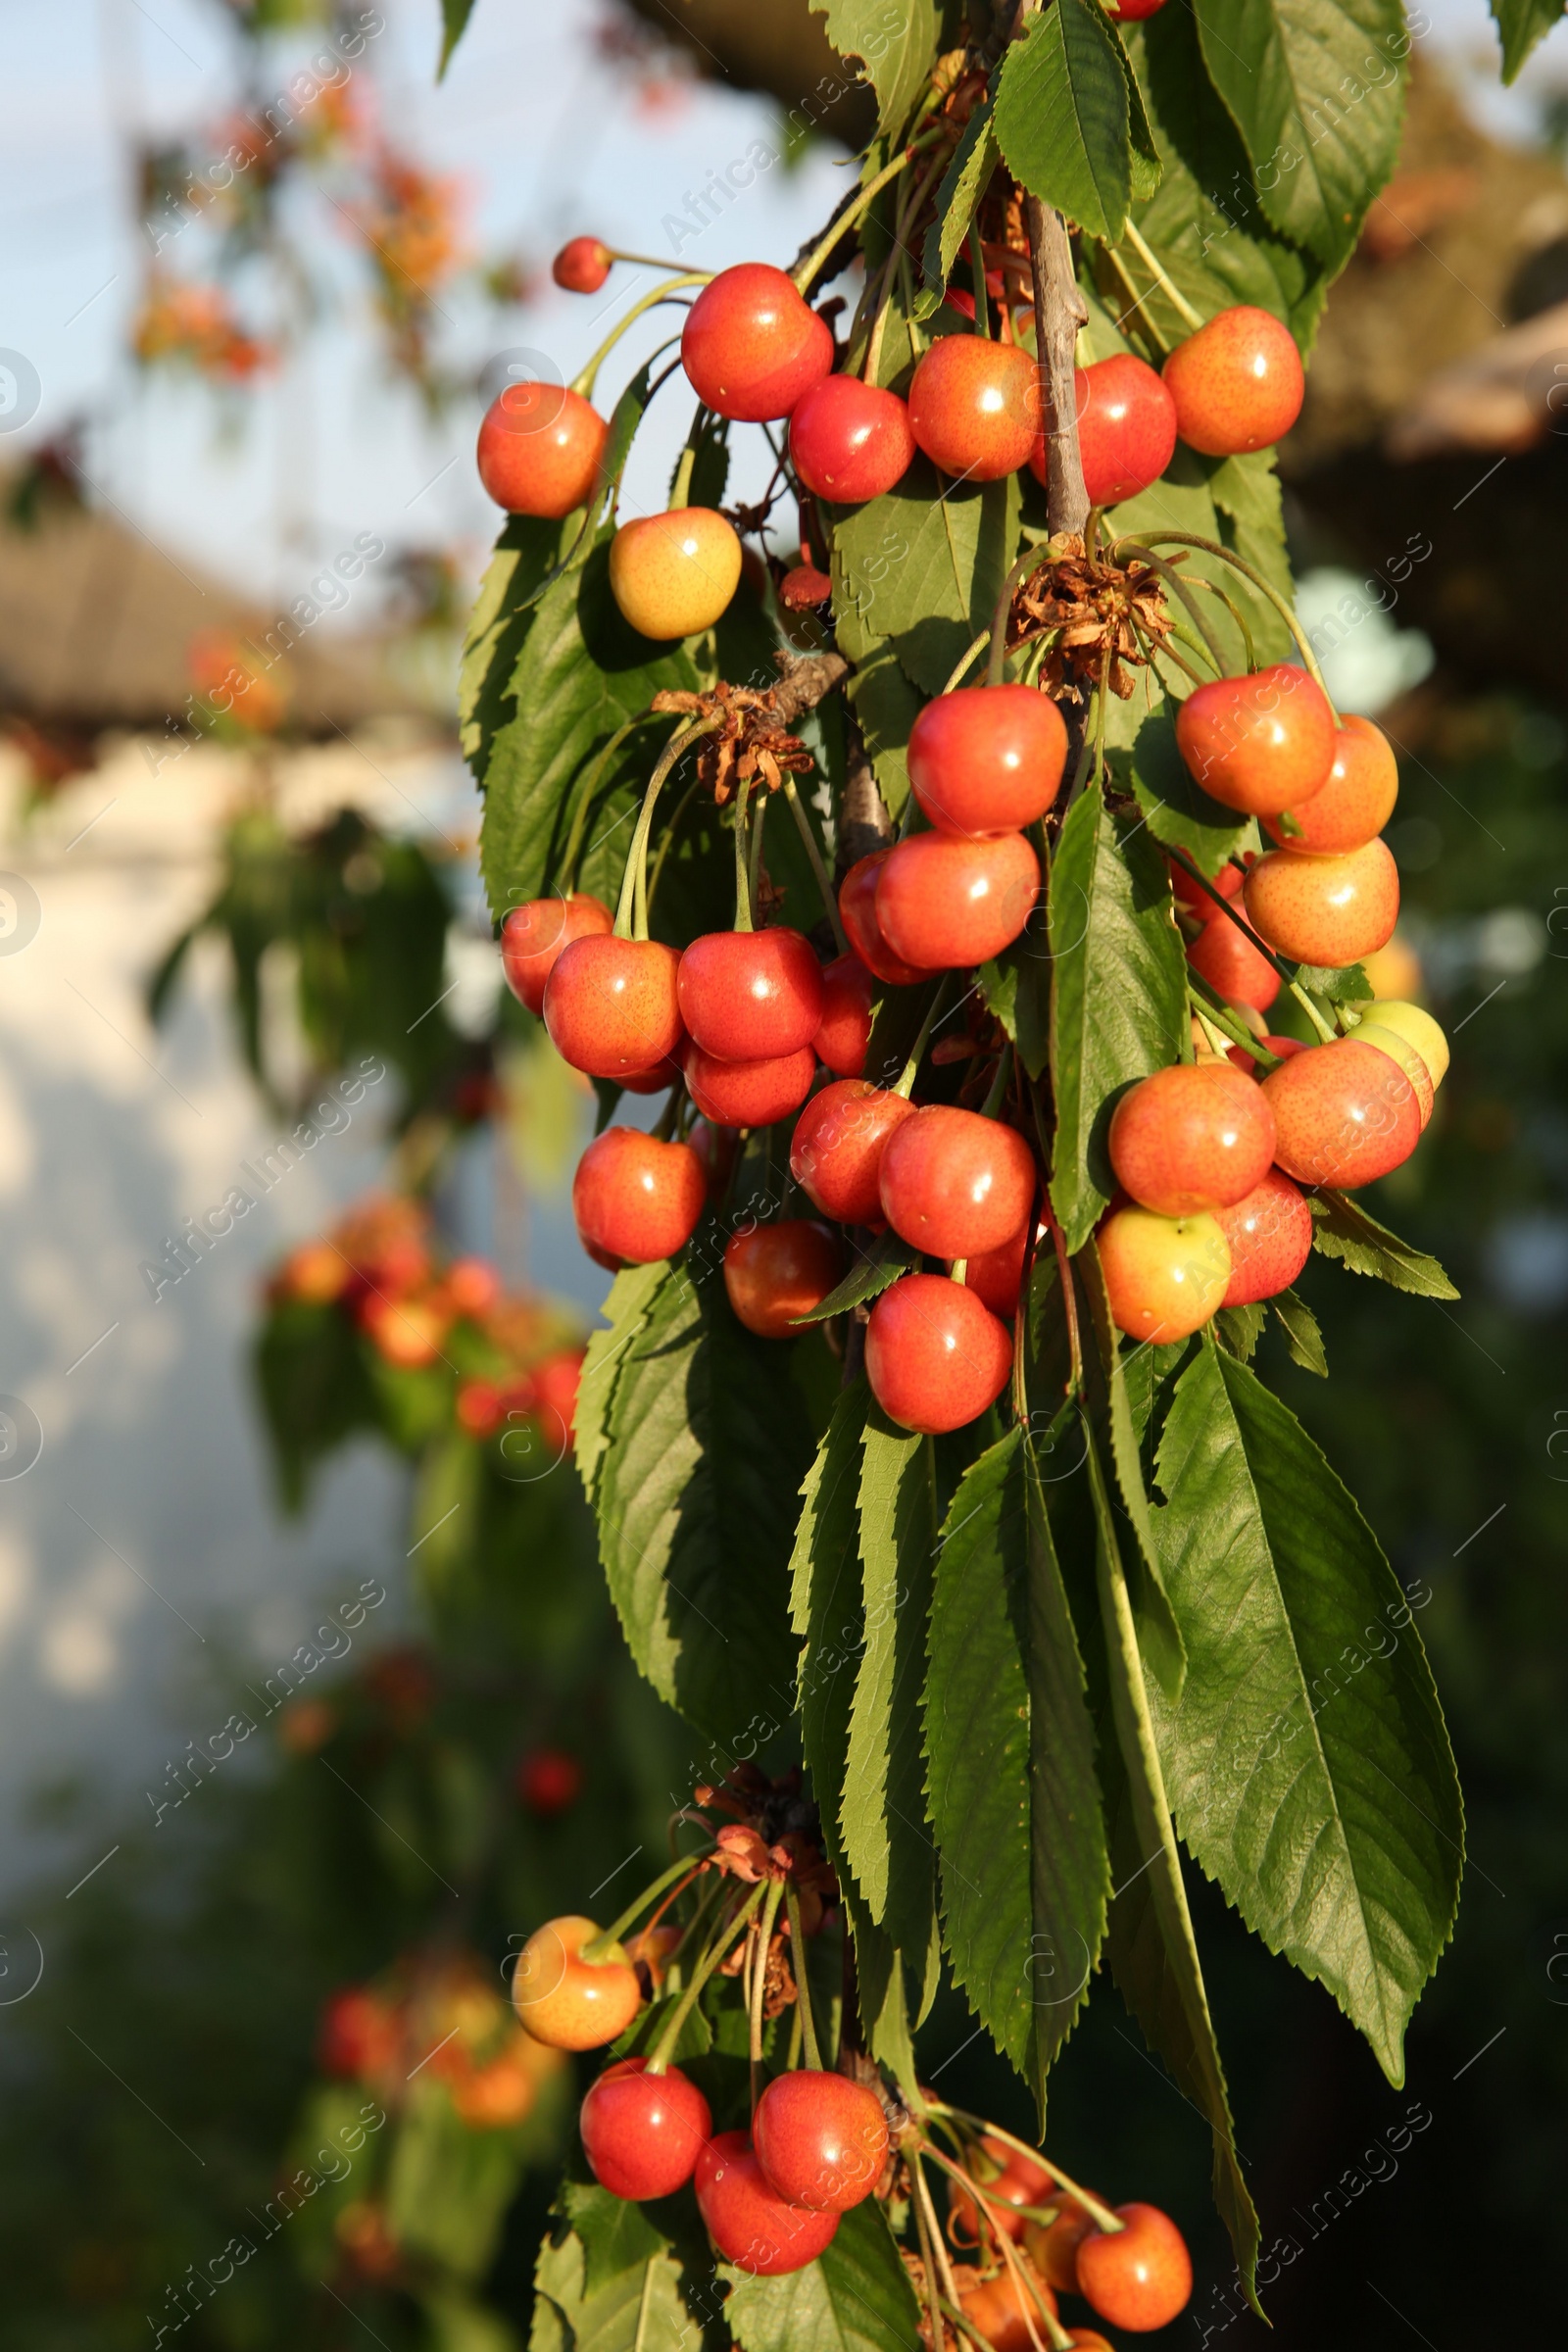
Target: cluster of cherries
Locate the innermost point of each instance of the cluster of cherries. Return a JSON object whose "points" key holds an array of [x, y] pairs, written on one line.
{"points": [[446, 2013]]}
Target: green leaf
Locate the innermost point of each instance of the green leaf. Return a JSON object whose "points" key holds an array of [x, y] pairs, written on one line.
{"points": [[1238, 1329], [1303, 1336], [616, 2234], [923, 566], [1178, 811], [1316, 89], [454, 14], [856, 2297], [1010, 1749], [1309, 1766], [963, 183], [894, 41], [873, 1271], [638, 2309], [1144, 158], [632, 1295], [1016, 987], [1118, 995], [885, 704], [1151, 1945], [705, 1454], [1160, 1636], [1339, 984], [1183, 500], [1062, 116], [524, 556], [1341, 1229], [1521, 24]]}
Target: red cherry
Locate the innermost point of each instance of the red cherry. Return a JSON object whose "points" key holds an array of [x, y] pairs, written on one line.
{"points": [[716, 1148], [548, 1782], [1055, 2246], [1004, 2311], [658, 1077], [1270, 1237], [582, 264], [1140, 2277], [641, 2132], [997, 1275], [533, 935], [974, 406], [849, 441], [1201, 902], [1238, 382], [777, 1273], [844, 1032], [358, 2033], [635, 1198], [1321, 908], [1128, 12], [1356, 802], [822, 2139], [987, 760], [953, 1181], [935, 1355], [1284, 1046], [1224, 957], [747, 2221], [752, 346], [1262, 744], [836, 1155], [1344, 1114], [1126, 428], [539, 449], [748, 1093], [1197, 1136], [610, 1005], [970, 2218], [857, 911], [748, 996], [945, 904]]}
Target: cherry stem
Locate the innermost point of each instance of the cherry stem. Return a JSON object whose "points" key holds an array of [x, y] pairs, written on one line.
{"points": [[1264, 587], [1323, 1028], [1099, 2214], [1213, 1036], [911, 1068], [665, 2045], [1215, 1010], [814, 855], [922, 2192], [1234, 610], [977, 266], [983, 2201], [755, 859], [583, 382], [971, 2333], [765, 1936], [802, 1990], [999, 1084], [1173, 580], [647, 261], [978, 647], [636, 858], [597, 1948], [934, 2302], [959, 1271], [1027, 564], [917, 188], [571, 855], [805, 270], [680, 494], [742, 893], [671, 831], [1150, 261], [1069, 1296]]}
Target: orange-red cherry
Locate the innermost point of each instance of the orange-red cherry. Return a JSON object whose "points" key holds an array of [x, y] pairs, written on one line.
{"points": [[954, 1182], [534, 934], [1197, 1136], [774, 1274], [747, 2221], [1320, 909], [610, 1005], [1129, 12], [987, 759], [1224, 957], [1003, 2309], [752, 346], [582, 264], [1260, 744], [935, 1354], [540, 448], [843, 1033], [1139, 2277], [1356, 802], [1126, 428], [857, 912], [943, 904], [1238, 382], [822, 2139], [997, 1275], [1165, 1276], [636, 1199], [1054, 2246], [1344, 1114], [974, 406], [849, 441], [748, 995], [836, 1155], [642, 2134], [748, 1093], [569, 2002], [1203, 900], [1270, 1237]]}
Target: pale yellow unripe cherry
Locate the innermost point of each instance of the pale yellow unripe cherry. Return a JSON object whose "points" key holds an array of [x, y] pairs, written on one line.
{"points": [[673, 574]]}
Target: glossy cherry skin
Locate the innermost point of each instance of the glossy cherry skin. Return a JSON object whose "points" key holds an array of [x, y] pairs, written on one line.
{"points": [[565, 2001], [747, 2221], [752, 346], [836, 1155], [997, 1275], [534, 934], [1165, 1276], [944, 903], [582, 264], [954, 1182], [1197, 1136], [777, 1273], [1132, 12], [1260, 744], [1344, 1114], [1014, 2186], [1055, 2249], [610, 1005], [748, 1093], [636, 1199], [974, 406], [1224, 955], [935, 1354], [849, 441], [1400, 1049], [1238, 382], [844, 1032], [1002, 2309], [822, 2139], [642, 2133], [1417, 1028], [658, 1077], [1324, 910], [1126, 428], [745, 996], [673, 574], [540, 446], [987, 760], [857, 914], [1140, 2277], [1357, 801], [1270, 1238], [1203, 902]]}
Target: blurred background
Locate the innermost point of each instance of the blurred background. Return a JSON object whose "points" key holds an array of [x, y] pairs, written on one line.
{"points": [[309, 1699]]}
